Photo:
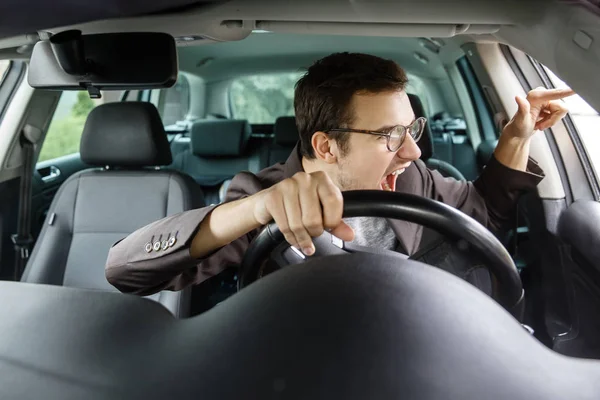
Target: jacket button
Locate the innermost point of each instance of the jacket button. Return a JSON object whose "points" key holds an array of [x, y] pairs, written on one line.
{"points": [[148, 247], [172, 241], [156, 246], [165, 245]]}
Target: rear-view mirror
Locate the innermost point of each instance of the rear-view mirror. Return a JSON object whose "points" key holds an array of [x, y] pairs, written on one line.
{"points": [[111, 61]]}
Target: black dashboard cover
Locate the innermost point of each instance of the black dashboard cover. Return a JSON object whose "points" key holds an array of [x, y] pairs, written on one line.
{"points": [[358, 326]]}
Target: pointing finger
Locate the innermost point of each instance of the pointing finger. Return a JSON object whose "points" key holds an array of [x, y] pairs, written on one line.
{"points": [[550, 94]]}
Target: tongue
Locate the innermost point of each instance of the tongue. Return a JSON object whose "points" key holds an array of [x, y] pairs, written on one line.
{"points": [[389, 183]]}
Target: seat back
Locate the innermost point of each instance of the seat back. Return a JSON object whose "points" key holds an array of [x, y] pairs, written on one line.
{"points": [[451, 144], [218, 150], [286, 137], [428, 145], [97, 207], [179, 144]]}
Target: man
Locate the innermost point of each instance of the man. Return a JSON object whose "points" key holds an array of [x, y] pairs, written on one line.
{"points": [[357, 131]]}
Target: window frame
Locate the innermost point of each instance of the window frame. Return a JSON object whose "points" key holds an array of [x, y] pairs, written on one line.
{"points": [[5, 71], [531, 74], [485, 120], [584, 156], [9, 83]]}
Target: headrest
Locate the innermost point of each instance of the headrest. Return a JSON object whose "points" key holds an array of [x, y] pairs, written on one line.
{"points": [[286, 131], [128, 134], [210, 138], [426, 141]]}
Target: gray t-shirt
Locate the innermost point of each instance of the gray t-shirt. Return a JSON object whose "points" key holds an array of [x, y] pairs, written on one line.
{"points": [[372, 232]]}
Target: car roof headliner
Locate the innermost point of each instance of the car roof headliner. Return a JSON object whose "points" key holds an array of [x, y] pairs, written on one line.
{"points": [[188, 17], [21, 17], [272, 52]]}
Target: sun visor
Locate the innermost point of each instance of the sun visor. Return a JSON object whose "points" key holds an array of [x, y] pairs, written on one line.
{"points": [[111, 61]]}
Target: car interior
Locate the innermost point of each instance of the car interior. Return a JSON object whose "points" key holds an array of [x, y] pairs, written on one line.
{"points": [[87, 158]]}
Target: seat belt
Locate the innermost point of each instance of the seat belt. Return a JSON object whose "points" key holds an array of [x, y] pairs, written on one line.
{"points": [[22, 240]]}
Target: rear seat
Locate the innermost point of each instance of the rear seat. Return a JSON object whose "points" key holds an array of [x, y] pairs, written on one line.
{"points": [[217, 150], [444, 151], [179, 144], [286, 137], [439, 151], [451, 144]]}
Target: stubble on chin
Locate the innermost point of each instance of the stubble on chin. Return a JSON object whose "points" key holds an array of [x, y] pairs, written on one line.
{"points": [[346, 181]]}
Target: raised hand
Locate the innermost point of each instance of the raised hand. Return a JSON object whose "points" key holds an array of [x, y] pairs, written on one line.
{"points": [[541, 109]]}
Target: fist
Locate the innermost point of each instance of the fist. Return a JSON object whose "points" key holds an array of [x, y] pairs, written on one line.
{"points": [[303, 206]]}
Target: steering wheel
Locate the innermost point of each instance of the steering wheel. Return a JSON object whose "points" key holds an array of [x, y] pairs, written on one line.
{"points": [[508, 290]]}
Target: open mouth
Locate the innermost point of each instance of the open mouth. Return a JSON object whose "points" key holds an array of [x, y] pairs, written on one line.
{"points": [[389, 182]]}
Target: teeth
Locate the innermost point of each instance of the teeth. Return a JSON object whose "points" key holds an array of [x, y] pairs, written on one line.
{"points": [[386, 187]]}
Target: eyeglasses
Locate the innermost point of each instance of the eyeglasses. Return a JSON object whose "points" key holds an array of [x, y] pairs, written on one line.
{"points": [[395, 136]]}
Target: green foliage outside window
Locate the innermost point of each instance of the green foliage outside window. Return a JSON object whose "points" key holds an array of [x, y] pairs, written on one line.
{"points": [[65, 130], [260, 99], [83, 106]]}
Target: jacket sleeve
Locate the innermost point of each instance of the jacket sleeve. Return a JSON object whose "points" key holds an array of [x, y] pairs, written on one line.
{"points": [[157, 256], [491, 198]]}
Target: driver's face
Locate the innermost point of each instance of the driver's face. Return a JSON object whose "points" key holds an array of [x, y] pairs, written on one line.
{"points": [[368, 164]]}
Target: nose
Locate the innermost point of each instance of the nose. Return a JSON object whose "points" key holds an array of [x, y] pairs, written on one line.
{"points": [[409, 149]]}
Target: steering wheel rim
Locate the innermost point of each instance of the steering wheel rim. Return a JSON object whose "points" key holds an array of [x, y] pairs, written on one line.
{"points": [[429, 213]]}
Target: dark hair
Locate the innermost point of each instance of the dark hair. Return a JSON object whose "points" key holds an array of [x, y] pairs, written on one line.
{"points": [[322, 96]]}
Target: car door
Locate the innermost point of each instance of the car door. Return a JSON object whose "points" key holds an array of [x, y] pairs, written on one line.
{"points": [[12, 76], [59, 155], [561, 236], [579, 228]]}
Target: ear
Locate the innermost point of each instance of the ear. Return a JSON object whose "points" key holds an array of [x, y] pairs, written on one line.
{"points": [[324, 147]]}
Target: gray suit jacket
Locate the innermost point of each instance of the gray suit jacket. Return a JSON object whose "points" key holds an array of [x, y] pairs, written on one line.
{"points": [[156, 257]]}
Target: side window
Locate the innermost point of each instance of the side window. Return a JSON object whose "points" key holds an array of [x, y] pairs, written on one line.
{"points": [[67, 124], [260, 99], [585, 118], [174, 102]]}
